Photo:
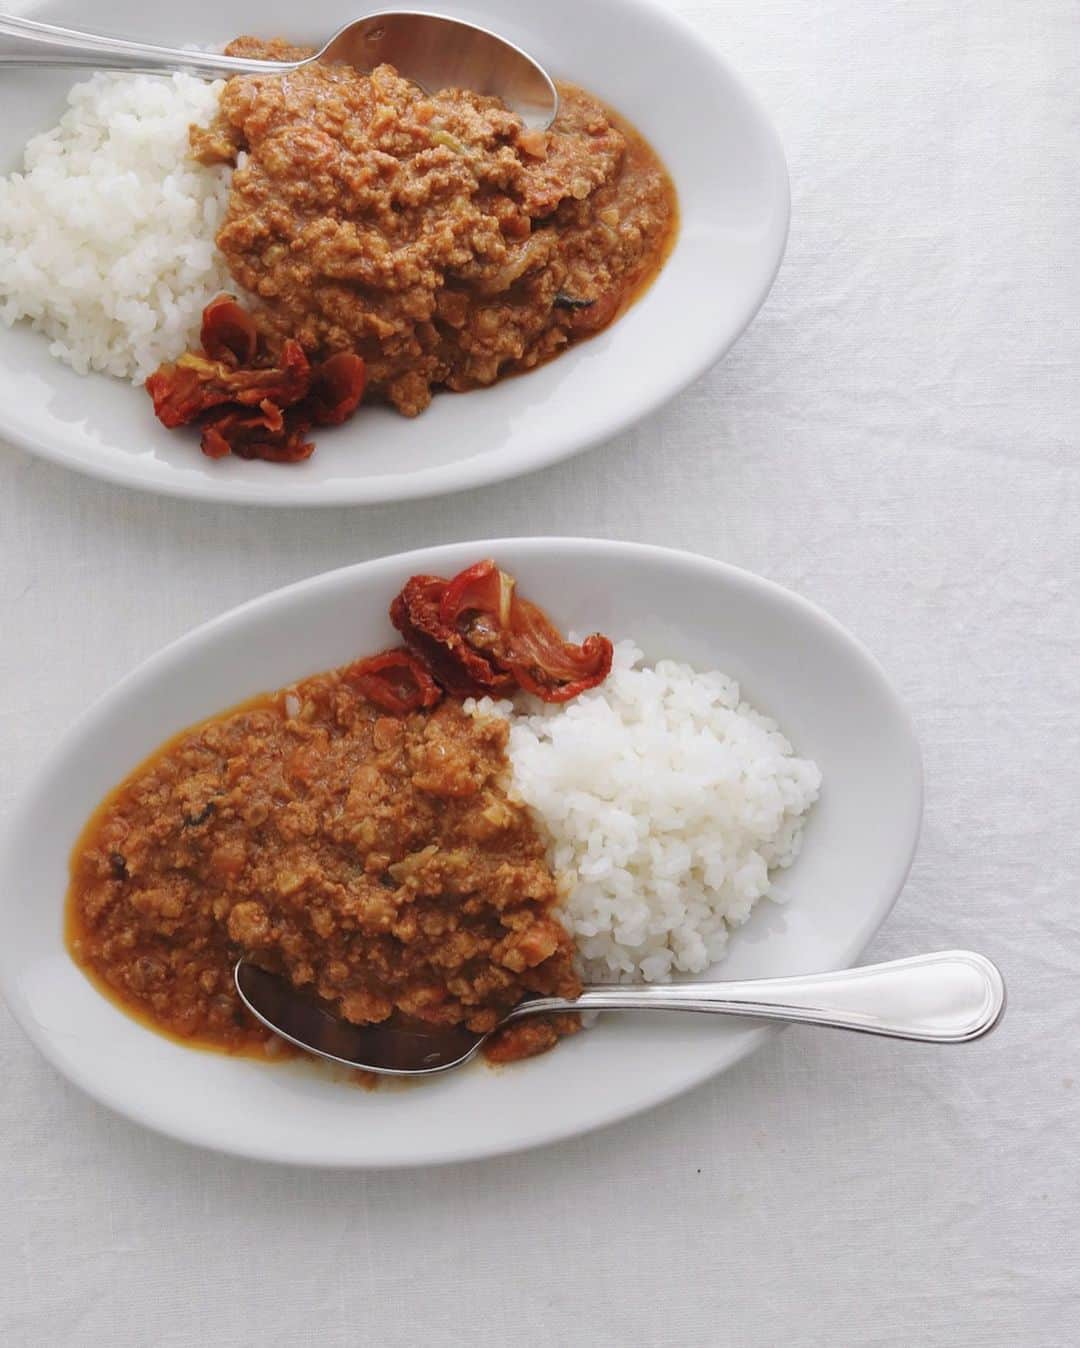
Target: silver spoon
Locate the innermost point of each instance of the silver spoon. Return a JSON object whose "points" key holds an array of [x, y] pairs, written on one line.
{"points": [[946, 998], [429, 49]]}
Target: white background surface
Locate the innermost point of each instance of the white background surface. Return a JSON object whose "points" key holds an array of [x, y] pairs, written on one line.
{"points": [[895, 437]]}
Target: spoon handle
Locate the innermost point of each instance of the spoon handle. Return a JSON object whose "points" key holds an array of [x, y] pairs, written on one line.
{"points": [[945, 998], [26, 43]]}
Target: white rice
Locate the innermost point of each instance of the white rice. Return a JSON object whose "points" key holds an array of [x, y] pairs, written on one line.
{"points": [[107, 236], [668, 801]]}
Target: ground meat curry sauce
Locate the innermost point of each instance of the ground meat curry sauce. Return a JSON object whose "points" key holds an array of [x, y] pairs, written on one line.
{"points": [[374, 859], [434, 236]]}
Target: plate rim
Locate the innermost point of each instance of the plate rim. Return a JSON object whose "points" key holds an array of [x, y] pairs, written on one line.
{"points": [[180, 648], [484, 469]]}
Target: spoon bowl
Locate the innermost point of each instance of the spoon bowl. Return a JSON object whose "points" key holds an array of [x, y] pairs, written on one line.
{"points": [[436, 53], [433, 50], [950, 997]]}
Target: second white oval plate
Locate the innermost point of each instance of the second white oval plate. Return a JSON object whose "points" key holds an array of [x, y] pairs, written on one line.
{"points": [[731, 178], [793, 662]]}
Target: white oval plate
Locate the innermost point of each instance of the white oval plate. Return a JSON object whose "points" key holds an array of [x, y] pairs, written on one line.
{"points": [[793, 662], [732, 181]]}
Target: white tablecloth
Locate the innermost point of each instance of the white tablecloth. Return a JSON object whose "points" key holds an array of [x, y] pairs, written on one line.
{"points": [[896, 438]]}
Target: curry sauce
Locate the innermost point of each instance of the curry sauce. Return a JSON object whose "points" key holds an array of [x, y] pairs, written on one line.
{"points": [[432, 235], [374, 860]]}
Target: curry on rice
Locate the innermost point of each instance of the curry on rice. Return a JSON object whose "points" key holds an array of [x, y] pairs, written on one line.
{"points": [[353, 833], [433, 237]]}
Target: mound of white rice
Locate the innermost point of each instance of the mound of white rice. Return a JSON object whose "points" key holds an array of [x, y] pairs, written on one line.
{"points": [[668, 801], [107, 236]]}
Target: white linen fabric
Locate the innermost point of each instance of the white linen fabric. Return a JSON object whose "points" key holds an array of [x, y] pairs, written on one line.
{"points": [[896, 438]]}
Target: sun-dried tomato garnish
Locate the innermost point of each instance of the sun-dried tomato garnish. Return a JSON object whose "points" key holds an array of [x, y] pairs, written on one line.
{"points": [[182, 391], [228, 332], [477, 636], [195, 384], [265, 435], [460, 668], [481, 589], [554, 669], [337, 385], [396, 681], [267, 405]]}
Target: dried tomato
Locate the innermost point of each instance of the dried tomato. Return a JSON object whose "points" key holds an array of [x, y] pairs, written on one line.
{"points": [[228, 332], [251, 404], [271, 435], [554, 669], [396, 681], [477, 635], [337, 385], [183, 391], [458, 667], [196, 384]]}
